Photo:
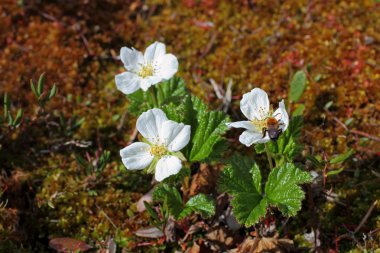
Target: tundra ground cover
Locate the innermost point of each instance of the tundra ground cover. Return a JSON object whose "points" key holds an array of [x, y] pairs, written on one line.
{"points": [[58, 178]]}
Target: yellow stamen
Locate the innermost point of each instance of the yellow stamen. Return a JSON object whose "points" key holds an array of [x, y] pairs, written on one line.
{"points": [[158, 150], [146, 71], [259, 124], [262, 123]]}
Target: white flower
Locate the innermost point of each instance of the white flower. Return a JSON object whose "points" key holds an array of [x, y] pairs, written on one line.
{"points": [[145, 70], [164, 139], [255, 106]]}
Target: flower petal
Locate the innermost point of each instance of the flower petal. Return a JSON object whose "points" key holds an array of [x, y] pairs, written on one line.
{"points": [[127, 82], [255, 104], [175, 135], [149, 124], [242, 124], [249, 137], [154, 51], [166, 66], [136, 156], [131, 58], [167, 166], [149, 81], [282, 115]]}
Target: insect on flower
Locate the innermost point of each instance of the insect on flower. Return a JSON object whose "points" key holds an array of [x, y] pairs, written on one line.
{"points": [[273, 128], [145, 70], [163, 139], [264, 124]]}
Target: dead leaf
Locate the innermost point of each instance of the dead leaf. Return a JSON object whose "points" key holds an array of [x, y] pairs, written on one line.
{"points": [[111, 246], [232, 223], [265, 244], [199, 247], [148, 198], [151, 232], [194, 228], [68, 245], [170, 231], [194, 249], [222, 238], [205, 180]]}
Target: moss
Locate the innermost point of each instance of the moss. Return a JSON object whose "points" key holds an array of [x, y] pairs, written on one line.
{"points": [[260, 44]]}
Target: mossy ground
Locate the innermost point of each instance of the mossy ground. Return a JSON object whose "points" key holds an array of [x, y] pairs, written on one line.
{"points": [[253, 43]]}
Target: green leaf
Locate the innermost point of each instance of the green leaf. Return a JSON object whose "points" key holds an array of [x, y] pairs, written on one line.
{"points": [[349, 121], [10, 119], [289, 144], [52, 92], [206, 132], [18, 117], [315, 162], [243, 181], [138, 102], [249, 208], [297, 86], [33, 88], [170, 197], [299, 110], [103, 160], [207, 128], [179, 177], [6, 105], [282, 188], [171, 91], [334, 172], [328, 105], [218, 151], [237, 177], [82, 162], [201, 204], [183, 112], [343, 157], [50, 204], [40, 84], [318, 78], [151, 211], [260, 148]]}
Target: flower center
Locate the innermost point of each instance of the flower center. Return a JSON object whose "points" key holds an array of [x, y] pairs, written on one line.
{"points": [[262, 122], [146, 71], [263, 114], [259, 124], [158, 150]]}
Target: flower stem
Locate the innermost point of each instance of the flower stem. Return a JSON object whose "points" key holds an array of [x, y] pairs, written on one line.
{"points": [[269, 157], [153, 96]]}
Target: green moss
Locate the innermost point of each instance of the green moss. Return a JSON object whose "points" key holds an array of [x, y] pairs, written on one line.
{"points": [[261, 45]]}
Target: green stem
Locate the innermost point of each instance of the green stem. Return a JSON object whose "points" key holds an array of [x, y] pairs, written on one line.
{"points": [[279, 161], [153, 96], [269, 157]]}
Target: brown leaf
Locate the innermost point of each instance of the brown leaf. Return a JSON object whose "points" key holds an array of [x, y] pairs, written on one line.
{"points": [[194, 228], [194, 249], [68, 245], [265, 244], [199, 247], [111, 247], [151, 232], [205, 180], [147, 197], [222, 238], [170, 231]]}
